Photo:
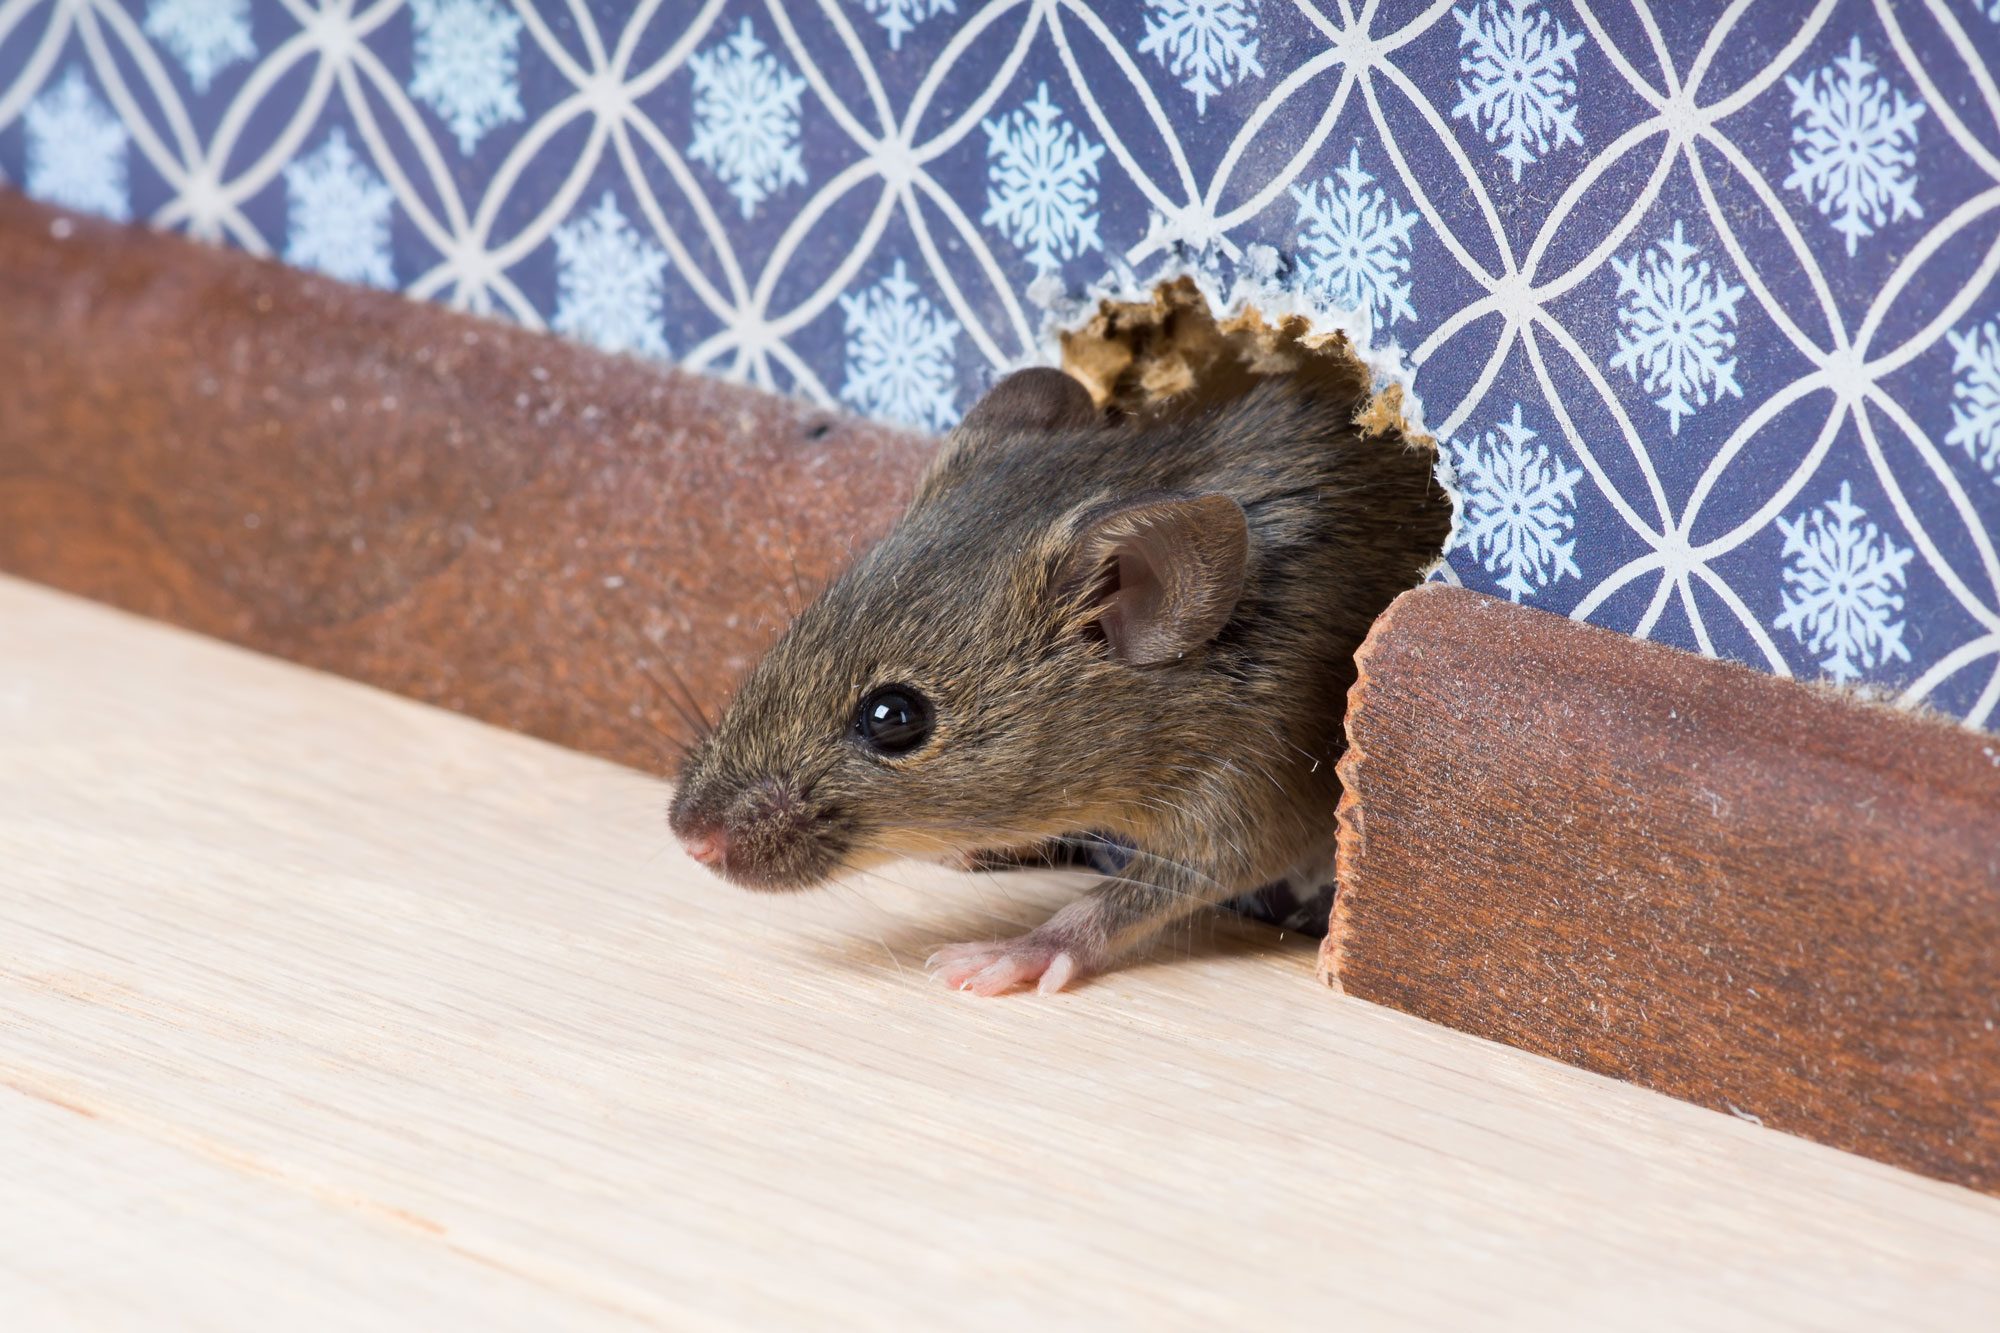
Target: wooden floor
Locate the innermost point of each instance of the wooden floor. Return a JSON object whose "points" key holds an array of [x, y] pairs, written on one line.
{"points": [[320, 1007]]}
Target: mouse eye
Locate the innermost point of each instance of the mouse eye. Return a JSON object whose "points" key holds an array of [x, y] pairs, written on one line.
{"points": [[894, 719]]}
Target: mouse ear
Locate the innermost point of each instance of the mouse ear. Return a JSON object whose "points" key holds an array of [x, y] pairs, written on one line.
{"points": [[1165, 574], [1038, 398]]}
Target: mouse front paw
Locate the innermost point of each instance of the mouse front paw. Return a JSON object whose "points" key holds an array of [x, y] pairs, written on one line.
{"points": [[1041, 959]]}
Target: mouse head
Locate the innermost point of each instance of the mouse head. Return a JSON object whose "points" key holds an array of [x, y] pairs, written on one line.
{"points": [[997, 671]]}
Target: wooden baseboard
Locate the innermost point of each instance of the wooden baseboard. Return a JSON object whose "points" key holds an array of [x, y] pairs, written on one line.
{"points": [[1768, 898], [461, 511]]}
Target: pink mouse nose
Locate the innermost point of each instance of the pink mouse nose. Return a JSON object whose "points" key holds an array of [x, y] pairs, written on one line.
{"points": [[710, 846]]}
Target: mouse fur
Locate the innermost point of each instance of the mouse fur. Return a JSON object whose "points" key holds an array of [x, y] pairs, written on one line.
{"points": [[1140, 628]]}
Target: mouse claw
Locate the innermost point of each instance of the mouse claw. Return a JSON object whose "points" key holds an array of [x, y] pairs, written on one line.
{"points": [[998, 966], [1000, 976], [1062, 970]]}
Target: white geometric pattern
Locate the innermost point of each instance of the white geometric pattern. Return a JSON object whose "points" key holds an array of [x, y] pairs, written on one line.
{"points": [[807, 198]]}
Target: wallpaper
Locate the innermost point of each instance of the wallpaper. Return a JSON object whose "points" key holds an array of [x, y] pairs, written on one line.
{"points": [[1699, 298]]}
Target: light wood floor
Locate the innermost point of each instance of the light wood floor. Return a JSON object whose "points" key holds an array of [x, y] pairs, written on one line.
{"points": [[318, 1007]]}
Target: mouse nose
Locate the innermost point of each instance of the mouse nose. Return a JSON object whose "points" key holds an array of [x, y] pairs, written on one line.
{"points": [[708, 846]]}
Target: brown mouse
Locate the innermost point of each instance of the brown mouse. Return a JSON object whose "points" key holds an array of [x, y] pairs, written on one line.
{"points": [[1143, 629]]}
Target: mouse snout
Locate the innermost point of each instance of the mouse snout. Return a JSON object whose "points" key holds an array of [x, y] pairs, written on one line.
{"points": [[702, 834], [708, 846], [764, 837]]}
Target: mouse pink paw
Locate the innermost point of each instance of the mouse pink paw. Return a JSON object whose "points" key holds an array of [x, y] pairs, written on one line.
{"points": [[995, 967]]}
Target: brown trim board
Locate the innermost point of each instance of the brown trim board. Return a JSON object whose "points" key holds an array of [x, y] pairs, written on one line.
{"points": [[1764, 897], [531, 532]]}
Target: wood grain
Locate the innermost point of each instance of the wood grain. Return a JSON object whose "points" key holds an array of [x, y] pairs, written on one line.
{"points": [[1761, 896], [506, 524], [322, 1008]]}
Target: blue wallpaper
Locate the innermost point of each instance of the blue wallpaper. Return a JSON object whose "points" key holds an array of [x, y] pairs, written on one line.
{"points": [[1701, 299]]}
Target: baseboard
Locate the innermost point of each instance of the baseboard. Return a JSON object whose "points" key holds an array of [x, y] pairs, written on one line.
{"points": [[501, 522], [1769, 898]]}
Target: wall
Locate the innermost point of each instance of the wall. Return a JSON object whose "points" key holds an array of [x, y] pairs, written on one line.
{"points": [[1703, 303]]}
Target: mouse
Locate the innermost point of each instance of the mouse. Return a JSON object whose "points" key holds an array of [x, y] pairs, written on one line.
{"points": [[1138, 631]]}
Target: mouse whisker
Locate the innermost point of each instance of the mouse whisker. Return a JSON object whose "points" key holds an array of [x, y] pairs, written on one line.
{"points": [[691, 721], [787, 593], [799, 597], [693, 700], [1180, 867], [639, 725], [849, 889], [673, 689], [1000, 919], [681, 700], [1216, 886], [670, 750]]}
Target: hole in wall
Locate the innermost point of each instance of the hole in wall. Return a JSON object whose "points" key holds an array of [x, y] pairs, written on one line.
{"points": [[1164, 352], [1171, 350]]}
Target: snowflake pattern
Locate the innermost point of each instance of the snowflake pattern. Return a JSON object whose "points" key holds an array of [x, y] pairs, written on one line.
{"points": [[1520, 507], [1975, 396], [1677, 327], [746, 108], [466, 57], [76, 150], [1854, 140], [1517, 81], [337, 212], [1354, 244], [206, 36], [900, 354], [895, 140], [1841, 587], [899, 17], [609, 283], [1206, 44], [1042, 182]]}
